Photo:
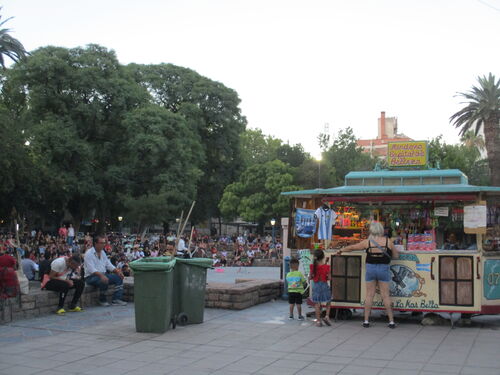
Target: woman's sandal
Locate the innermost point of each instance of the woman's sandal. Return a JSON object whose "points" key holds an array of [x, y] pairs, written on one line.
{"points": [[319, 324], [327, 322]]}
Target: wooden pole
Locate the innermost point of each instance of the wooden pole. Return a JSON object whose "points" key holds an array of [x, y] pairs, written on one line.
{"points": [[184, 225], [187, 217], [177, 236]]}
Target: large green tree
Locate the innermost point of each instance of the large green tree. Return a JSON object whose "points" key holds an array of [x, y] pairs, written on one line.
{"points": [[212, 110], [72, 103], [256, 195], [465, 157], [483, 110], [345, 155], [164, 158]]}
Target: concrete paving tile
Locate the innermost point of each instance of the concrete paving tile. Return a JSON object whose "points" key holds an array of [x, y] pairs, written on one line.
{"points": [[345, 353], [371, 354], [125, 364], [13, 359], [476, 370], [188, 371], [4, 365], [400, 365], [449, 369], [393, 371], [326, 367], [20, 370], [369, 362], [360, 370], [224, 372], [105, 371], [335, 359], [291, 363], [307, 371], [302, 357], [277, 370], [181, 361]]}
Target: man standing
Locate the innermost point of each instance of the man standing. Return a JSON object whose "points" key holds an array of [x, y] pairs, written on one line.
{"points": [[64, 275], [71, 234], [99, 272]]}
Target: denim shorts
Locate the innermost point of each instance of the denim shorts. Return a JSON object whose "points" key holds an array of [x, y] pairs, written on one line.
{"points": [[377, 272]]}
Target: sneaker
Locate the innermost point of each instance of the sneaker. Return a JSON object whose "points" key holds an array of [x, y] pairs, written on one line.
{"points": [[290, 317], [118, 302], [391, 325], [104, 303], [76, 309], [366, 324], [60, 312], [301, 317]]}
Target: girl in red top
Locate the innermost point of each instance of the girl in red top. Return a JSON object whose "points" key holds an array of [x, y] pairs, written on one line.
{"points": [[320, 274]]}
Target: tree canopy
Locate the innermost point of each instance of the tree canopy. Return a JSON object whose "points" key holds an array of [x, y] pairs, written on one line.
{"points": [[483, 110]]}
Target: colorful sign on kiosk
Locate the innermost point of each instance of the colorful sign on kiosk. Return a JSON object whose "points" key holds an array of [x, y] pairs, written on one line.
{"points": [[407, 154]]}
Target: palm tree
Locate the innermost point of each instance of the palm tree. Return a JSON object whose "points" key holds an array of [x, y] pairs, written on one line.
{"points": [[483, 110], [9, 46]]}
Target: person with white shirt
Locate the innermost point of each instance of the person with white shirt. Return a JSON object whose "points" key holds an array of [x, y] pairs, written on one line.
{"points": [[99, 272], [64, 275], [71, 234]]}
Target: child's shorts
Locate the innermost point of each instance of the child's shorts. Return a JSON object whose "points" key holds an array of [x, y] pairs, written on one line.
{"points": [[321, 292], [294, 298]]}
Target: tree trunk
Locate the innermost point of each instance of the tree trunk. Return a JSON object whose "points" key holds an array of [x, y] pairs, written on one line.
{"points": [[491, 138]]}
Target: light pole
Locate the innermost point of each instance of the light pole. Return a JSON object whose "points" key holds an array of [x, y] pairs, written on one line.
{"points": [[273, 223], [318, 159], [120, 219]]}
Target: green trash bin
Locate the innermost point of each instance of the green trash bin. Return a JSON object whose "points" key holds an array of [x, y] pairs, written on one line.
{"points": [[153, 293], [189, 289]]}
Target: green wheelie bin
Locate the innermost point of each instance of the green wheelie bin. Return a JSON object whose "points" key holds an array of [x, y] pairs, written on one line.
{"points": [[190, 279], [153, 293]]}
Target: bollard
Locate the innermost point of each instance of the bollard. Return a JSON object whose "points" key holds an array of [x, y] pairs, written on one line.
{"points": [[286, 269]]}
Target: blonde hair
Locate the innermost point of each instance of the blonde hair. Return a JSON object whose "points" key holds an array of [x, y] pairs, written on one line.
{"points": [[376, 229]]}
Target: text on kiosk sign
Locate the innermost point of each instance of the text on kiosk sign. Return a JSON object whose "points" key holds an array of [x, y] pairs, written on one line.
{"points": [[402, 154]]}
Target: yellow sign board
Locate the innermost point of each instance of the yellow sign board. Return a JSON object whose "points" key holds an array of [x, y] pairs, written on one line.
{"points": [[407, 154]]}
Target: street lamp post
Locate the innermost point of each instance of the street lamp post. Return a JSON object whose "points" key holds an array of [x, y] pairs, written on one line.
{"points": [[273, 223], [318, 159], [120, 219]]}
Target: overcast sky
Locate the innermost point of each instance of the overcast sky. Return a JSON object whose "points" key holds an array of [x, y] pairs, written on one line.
{"points": [[296, 65]]}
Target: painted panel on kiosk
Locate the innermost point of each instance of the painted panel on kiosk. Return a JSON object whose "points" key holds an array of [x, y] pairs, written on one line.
{"points": [[491, 280]]}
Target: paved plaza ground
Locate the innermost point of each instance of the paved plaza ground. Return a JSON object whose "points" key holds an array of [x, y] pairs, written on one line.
{"points": [[230, 274], [259, 340]]}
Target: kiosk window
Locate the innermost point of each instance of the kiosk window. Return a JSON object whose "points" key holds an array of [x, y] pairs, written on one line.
{"points": [[456, 280], [346, 278]]}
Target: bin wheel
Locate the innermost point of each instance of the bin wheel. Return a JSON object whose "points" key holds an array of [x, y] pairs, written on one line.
{"points": [[182, 319]]}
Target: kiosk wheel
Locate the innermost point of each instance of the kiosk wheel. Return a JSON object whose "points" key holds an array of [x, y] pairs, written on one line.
{"points": [[343, 314]]}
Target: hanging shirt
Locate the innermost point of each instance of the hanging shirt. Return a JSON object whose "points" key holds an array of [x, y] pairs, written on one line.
{"points": [[326, 220]]}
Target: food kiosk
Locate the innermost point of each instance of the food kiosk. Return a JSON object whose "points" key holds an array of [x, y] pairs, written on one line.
{"points": [[447, 233]]}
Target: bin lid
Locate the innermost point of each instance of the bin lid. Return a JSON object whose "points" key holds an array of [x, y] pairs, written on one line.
{"points": [[153, 264], [198, 262]]}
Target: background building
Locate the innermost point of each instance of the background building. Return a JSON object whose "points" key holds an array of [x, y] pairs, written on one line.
{"points": [[387, 132]]}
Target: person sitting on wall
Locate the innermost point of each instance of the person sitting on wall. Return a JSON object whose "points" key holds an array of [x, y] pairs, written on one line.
{"points": [[99, 272], [65, 275]]}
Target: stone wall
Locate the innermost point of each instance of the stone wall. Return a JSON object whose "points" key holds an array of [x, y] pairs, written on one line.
{"points": [[41, 302], [241, 295]]}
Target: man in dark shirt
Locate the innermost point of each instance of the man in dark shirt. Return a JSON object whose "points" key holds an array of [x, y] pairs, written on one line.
{"points": [[44, 266]]}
